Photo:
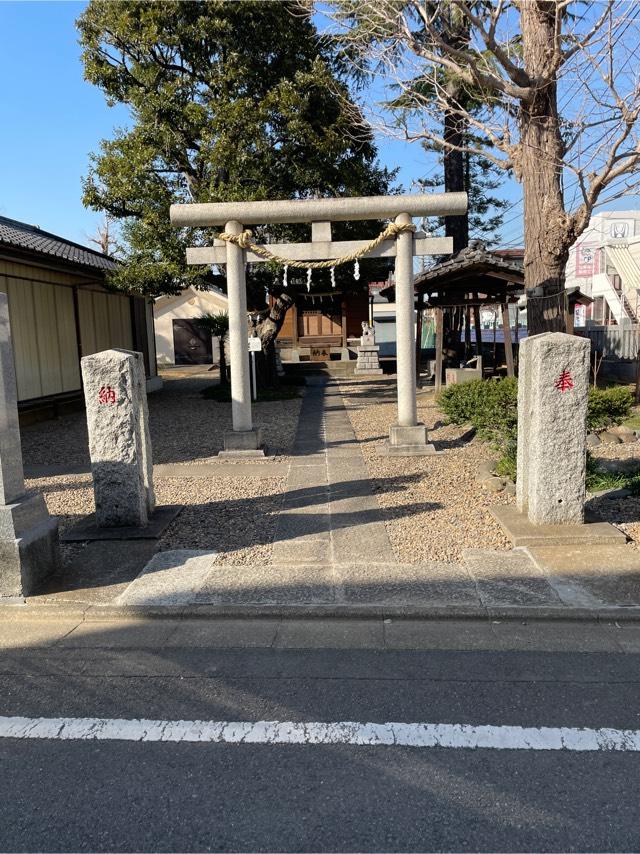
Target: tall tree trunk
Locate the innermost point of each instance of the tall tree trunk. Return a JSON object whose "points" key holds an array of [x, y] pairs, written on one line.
{"points": [[454, 132], [546, 237], [267, 325], [456, 227]]}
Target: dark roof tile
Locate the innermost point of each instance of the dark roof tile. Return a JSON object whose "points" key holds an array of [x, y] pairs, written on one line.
{"points": [[20, 235], [473, 256]]}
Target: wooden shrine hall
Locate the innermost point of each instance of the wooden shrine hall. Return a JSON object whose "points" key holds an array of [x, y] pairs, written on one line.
{"points": [[320, 324]]}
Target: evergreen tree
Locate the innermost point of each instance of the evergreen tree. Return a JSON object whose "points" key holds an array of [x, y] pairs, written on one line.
{"points": [[228, 102]]}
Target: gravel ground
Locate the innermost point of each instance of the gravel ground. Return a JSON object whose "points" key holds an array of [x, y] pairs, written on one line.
{"points": [[68, 497], [236, 516], [233, 515], [434, 507], [624, 513], [185, 428]]}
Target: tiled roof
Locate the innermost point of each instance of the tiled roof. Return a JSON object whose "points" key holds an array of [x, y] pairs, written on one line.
{"points": [[474, 256], [30, 238]]}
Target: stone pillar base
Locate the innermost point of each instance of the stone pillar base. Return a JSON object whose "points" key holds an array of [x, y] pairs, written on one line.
{"points": [[29, 550], [242, 444], [407, 442], [368, 360], [525, 534]]}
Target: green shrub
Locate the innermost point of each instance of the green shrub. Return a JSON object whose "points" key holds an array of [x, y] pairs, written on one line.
{"points": [[599, 479], [507, 464], [608, 406], [460, 402], [491, 406]]}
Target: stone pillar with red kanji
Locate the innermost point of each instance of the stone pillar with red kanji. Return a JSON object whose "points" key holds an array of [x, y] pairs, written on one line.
{"points": [[119, 442], [552, 427]]}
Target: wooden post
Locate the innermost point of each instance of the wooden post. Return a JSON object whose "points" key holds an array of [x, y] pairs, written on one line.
{"points": [[294, 335], [343, 309], [637, 394], [420, 300], [569, 319], [467, 334], [508, 346], [439, 346], [476, 323], [495, 323]]}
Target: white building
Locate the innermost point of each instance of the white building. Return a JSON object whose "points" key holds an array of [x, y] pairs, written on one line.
{"points": [[179, 339], [605, 264]]}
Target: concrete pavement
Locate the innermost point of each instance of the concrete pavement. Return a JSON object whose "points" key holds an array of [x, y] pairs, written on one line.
{"points": [[115, 794]]}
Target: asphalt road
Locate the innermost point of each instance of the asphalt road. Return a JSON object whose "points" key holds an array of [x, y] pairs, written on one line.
{"points": [[117, 795]]}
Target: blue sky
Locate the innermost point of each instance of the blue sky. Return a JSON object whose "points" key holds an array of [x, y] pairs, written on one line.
{"points": [[56, 119], [52, 119]]}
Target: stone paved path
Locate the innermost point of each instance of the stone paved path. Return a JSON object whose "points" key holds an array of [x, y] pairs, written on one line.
{"points": [[330, 514]]}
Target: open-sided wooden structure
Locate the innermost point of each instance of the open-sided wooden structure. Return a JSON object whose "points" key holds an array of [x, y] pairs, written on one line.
{"points": [[473, 278]]}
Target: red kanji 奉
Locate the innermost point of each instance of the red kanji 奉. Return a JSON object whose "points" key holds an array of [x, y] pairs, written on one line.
{"points": [[564, 381]]}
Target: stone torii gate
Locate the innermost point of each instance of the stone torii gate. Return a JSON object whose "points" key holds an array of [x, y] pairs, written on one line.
{"points": [[407, 437]]}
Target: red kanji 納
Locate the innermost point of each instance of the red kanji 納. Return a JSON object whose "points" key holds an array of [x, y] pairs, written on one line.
{"points": [[106, 394], [564, 381]]}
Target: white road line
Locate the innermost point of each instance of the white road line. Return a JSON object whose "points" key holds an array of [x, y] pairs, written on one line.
{"points": [[314, 732]]}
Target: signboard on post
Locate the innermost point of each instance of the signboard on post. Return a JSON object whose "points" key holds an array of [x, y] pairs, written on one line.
{"points": [[255, 346]]}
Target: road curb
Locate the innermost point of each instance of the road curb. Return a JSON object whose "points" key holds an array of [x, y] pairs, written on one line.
{"points": [[96, 613]]}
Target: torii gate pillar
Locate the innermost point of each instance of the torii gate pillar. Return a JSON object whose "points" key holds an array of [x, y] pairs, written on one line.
{"points": [[407, 438], [243, 440]]}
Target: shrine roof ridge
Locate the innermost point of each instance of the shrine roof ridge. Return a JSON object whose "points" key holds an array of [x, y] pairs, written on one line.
{"points": [[318, 210], [475, 256]]}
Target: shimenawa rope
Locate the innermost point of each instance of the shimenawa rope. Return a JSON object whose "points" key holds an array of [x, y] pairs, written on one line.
{"points": [[244, 242]]}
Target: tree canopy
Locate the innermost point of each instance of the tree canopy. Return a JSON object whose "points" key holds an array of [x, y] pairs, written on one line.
{"points": [[228, 102]]}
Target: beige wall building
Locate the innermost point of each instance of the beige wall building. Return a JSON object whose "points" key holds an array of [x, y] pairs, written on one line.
{"points": [[179, 341], [60, 311]]}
